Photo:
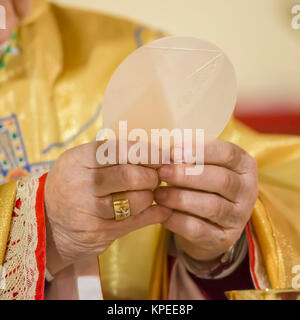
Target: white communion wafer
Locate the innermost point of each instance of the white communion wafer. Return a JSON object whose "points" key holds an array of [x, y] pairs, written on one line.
{"points": [[174, 82]]}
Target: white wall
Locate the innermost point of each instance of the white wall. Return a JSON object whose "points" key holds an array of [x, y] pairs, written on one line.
{"points": [[256, 34]]}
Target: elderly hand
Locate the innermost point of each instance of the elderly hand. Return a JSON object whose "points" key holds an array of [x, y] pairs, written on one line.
{"points": [[79, 205], [210, 210]]}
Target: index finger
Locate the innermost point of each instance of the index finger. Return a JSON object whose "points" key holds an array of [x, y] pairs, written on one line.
{"points": [[102, 154], [221, 153]]}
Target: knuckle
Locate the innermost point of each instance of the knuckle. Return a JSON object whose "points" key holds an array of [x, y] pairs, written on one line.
{"points": [[235, 217], [252, 167], [217, 208], [226, 181], [151, 176], [224, 213], [250, 184], [128, 175], [229, 153]]}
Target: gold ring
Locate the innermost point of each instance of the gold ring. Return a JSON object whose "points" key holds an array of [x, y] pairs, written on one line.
{"points": [[121, 206]]}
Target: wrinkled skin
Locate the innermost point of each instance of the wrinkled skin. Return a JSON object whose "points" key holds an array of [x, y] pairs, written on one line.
{"points": [[207, 212], [211, 210], [80, 209]]}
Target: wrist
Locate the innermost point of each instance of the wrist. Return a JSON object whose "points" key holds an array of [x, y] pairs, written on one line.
{"points": [[54, 261], [219, 267], [194, 252]]}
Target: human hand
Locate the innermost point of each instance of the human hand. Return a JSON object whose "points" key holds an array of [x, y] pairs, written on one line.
{"points": [[79, 205], [210, 210]]}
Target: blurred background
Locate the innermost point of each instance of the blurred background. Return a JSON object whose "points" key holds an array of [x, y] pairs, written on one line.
{"points": [[257, 35]]}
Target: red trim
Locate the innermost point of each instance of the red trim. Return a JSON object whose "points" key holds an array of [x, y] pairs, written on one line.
{"points": [[40, 252], [252, 256]]}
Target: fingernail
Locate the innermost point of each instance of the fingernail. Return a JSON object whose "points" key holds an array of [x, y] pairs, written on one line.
{"points": [[165, 172], [160, 194]]}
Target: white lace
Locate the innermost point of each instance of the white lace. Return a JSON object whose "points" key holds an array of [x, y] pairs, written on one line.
{"points": [[20, 261]]}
